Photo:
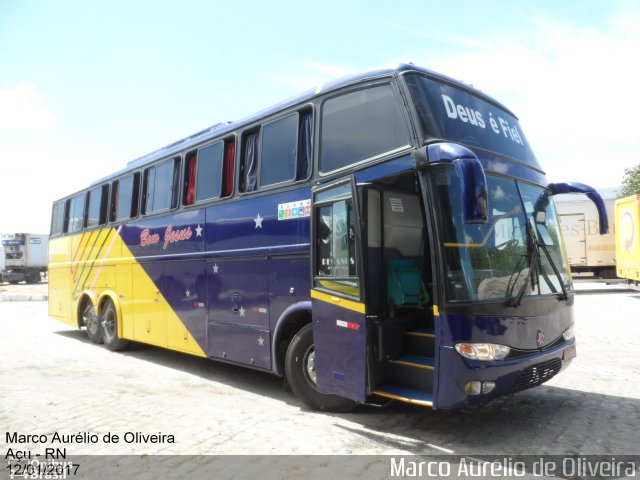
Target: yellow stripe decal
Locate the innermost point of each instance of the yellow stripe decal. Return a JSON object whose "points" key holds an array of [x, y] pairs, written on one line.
{"points": [[411, 364], [95, 278], [340, 302], [420, 334], [436, 311], [403, 399]]}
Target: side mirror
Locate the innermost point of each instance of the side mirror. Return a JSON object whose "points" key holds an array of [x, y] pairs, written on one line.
{"points": [[590, 192], [473, 182]]}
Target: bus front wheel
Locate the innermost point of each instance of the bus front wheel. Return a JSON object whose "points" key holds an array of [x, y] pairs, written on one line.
{"points": [[109, 327], [301, 375]]}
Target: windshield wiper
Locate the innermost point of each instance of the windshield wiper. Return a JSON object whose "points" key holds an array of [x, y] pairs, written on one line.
{"points": [[532, 247], [554, 267]]}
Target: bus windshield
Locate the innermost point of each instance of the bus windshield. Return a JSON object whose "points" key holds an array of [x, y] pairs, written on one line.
{"points": [[516, 253], [450, 113]]}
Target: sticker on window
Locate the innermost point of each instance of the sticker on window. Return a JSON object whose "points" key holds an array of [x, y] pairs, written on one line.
{"points": [[396, 205]]}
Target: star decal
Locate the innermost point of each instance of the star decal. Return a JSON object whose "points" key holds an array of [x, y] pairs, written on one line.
{"points": [[241, 311], [258, 221], [215, 268], [198, 231], [260, 341]]}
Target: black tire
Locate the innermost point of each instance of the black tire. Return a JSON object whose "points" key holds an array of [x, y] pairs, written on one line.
{"points": [[92, 323], [109, 328], [299, 375], [32, 277]]}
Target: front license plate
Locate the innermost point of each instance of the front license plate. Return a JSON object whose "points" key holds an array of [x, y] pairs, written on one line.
{"points": [[569, 353]]}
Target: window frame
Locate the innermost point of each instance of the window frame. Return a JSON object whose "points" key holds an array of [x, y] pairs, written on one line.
{"points": [[63, 204], [104, 206], [176, 191], [68, 218], [112, 214], [350, 198], [404, 115], [298, 116], [300, 110]]}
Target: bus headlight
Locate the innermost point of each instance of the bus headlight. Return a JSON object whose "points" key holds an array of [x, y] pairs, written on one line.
{"points": [[568, 334], [482, 351]]}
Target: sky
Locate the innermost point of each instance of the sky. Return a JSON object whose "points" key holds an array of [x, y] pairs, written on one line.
{"points": [[86, 87]]}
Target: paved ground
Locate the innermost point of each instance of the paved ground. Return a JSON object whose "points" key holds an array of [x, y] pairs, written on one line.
{"points": [[53, 380], [22, 292]]}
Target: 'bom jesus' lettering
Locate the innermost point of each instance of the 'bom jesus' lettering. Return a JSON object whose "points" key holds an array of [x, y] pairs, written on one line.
{"points": [[170, 236]]}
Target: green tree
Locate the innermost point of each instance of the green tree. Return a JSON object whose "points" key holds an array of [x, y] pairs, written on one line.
{"points": [[630, 182]]}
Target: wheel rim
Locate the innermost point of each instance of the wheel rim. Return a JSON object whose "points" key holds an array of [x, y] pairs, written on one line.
{"points": [[91, 319], [309, 365], [109, 323]]}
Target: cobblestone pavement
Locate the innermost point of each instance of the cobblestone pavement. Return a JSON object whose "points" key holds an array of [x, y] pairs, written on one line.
{"points": [[54, 380]]}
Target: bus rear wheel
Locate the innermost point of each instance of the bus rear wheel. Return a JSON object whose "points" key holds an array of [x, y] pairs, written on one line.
{"points": [[92, 322], [109, 328], [300, 370]]}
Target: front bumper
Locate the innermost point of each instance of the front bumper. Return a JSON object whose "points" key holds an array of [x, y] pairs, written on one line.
{"points": [[511, 375]]}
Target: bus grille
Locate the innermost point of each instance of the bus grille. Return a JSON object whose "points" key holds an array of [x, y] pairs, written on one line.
{"points": [[537, 375]]}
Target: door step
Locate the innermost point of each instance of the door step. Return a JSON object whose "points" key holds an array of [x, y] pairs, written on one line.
{"points": [[421, 332], [407, 395], [414, 361]]}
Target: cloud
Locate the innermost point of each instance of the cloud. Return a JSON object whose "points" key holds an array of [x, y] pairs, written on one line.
{"points": [[573, 87], [22, 107]]}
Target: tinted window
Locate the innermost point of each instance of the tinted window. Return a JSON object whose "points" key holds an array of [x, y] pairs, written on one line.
{"points": [[454, 114], [123, 192], [57, 218], [76, 214], [360, 125], [249, 163], [96, 210], [336, 260], [209, 177], [160, 187], [279, 141]]}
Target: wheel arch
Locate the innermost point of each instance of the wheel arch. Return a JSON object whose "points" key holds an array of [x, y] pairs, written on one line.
{"points": [[86, 296], [289, 323], [109, 295]]}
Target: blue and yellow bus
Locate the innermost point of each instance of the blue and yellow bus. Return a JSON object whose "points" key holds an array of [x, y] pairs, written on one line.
{"points": [[387, 235]]}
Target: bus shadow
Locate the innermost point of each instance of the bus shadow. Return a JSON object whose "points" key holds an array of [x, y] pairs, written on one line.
{"points": [[544, 420], [254, 381]]}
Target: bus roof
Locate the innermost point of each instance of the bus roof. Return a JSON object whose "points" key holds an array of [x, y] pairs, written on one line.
{"points": [[223, 128]]}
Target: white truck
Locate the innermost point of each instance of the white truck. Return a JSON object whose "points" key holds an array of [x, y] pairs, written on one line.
{"points": [[25, 257], [590, 254]]}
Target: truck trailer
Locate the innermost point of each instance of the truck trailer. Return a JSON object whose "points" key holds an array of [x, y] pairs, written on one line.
{"points": [[25, 257], [628, 238], [590, 254]]}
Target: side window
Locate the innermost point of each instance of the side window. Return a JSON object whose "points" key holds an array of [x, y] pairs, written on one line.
{"points": [[278, 159], [76, 213], [249, 162], [57, 218], [189, 195], [360, 125], [161, 186], [209, 171], [124, 198], [304, 155], [336, 260], [229, 162], [97, 206]]}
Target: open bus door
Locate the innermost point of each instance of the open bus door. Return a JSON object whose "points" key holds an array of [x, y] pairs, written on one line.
{"points": [[339, 323]]}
